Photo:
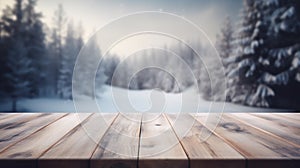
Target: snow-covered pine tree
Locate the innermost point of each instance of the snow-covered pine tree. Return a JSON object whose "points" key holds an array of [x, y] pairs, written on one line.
{"points": [[225, 39], [79, 35], [204, 83], [17, 63], [280, 62], [225, 48], [268, 54], [186, 66], [3, 51], [53, 63], [89, 75], [19, 68], [247, 87], [35, 43], [67, 64], [110, 64], [56, 42]]}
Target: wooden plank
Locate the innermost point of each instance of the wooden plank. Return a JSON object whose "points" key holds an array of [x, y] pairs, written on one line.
{"points": [[159, 146], [119, 145], [273, 126], [33, 146], [212, 152], [292, 117], [77, 147], [277, 117], [21, 126], [7, 115], [255, 145], [10, 121]]}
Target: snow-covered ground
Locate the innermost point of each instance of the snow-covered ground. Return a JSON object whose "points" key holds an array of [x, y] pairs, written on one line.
{"points": [[114, 99]]}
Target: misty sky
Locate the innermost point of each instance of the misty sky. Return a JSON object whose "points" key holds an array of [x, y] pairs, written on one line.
{"points": [[93, 14]]}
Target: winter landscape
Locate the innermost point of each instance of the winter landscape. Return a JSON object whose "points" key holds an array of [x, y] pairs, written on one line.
{"points": [[51, 61]]}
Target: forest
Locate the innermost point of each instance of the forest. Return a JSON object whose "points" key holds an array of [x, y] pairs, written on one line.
{"points": [[260, 54]]}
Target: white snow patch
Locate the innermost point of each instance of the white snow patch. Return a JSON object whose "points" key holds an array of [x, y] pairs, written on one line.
{"points": [[288, 13], [112, 99]]}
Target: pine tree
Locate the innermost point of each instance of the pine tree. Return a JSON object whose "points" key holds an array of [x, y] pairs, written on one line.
{"points": [[186, 63], [280, 62], [67, 63], [268, 53], [17, 62], [225, 40], [35, 43], [3, 51], [23, 16], [247, 88], [89, 76], [225, 48], [19, 67], [79, 39], [110, 62], [56, 43]]}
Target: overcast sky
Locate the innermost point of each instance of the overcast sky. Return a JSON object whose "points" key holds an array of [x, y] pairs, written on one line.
{"points": [[93, 14]]}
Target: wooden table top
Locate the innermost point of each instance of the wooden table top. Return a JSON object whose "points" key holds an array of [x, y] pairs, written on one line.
{"points": [[109, 140]]}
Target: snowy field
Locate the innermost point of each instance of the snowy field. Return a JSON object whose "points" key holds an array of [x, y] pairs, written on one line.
{"points": [[114, 99]]}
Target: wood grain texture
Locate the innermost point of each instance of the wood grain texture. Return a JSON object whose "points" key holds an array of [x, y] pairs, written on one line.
{"points": [[34, 145], [79, 144], [253, 144], [7, 115], [291, 121], [12, 121], [273, 126], [18, 127], [119, 145], [292, 116], [281, 119], [212, 152], [253, 140], [159, 145]]}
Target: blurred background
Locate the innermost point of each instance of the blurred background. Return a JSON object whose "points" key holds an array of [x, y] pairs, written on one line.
{"points": [[257, 41]]}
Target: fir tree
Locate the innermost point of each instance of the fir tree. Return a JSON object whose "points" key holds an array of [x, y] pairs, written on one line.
{"points": [[19, 67], [35, 43], [18, 64], [268, 53], [67, 64], [89, 72], [224, 46], [245, 86], [280, 62], [225, 40], [56, 43]]}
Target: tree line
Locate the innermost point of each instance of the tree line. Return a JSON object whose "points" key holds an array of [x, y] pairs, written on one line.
{"points": [[37, 60]]}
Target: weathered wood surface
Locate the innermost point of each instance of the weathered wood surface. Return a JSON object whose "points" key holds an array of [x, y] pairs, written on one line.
{"points": [[213, 152], [119, 146], [273, 125], [134, 140], [78, 144], [159, 145], [256, 145], [15, 128]]}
